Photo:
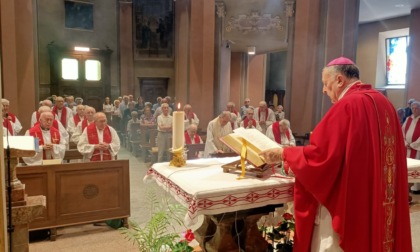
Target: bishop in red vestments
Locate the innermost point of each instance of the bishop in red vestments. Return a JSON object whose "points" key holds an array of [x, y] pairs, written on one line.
{"points": [[354, 170]]}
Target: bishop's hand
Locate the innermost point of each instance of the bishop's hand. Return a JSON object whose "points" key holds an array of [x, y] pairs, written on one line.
{"points": [[272, 156]]}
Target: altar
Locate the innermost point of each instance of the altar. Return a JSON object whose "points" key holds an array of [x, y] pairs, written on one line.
{"points": [[225, 201], [413, 166]]}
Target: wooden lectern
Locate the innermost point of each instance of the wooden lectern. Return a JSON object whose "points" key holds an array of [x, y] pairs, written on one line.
{"points": [[23, 209]]}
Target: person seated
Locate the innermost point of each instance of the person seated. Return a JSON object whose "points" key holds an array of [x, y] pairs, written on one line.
{"points": [[51, 144], [264, 116], [191, 136], [78, 101], [233, 121], [281, 133], [245, 107], [249, 122], [127, 114], [231, 107], [88, 119], [78, 117], [99, 142], [279, 113], [216, 129], [71, 104], [64, 114], [17, 126], [189, 116], [56, 124], [35, 115]]}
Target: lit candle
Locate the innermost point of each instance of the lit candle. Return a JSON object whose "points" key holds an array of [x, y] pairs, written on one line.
{"points": [[178, 129]]}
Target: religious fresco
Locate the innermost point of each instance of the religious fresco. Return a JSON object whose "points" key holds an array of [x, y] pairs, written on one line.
{"points": [[78, 15], [153, 29]]}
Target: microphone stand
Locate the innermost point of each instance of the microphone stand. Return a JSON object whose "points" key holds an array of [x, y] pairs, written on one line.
{"points": [[10, 227]]}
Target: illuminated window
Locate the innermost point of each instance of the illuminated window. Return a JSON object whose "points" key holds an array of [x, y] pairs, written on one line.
{"points": [[69, 69], [396, 60], [93, 70]]}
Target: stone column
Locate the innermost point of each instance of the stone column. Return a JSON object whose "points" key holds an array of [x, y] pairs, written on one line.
{"points": [[323, 30], [127, 81], [413, 75], [222, 61], [18, 43]]}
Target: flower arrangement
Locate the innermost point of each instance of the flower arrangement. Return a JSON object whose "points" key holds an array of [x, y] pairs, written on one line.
{"points": [[281, 235], [183, 245]]}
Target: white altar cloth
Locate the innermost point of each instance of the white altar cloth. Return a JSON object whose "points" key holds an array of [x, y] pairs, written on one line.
{"points": [[204, 188], [413, 166]]}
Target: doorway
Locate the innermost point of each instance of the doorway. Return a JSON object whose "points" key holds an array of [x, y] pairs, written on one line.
{"points": [[151, 88]]}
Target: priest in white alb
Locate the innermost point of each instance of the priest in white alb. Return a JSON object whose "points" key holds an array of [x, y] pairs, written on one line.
{"points": [[64, 114], [264, 116], [411, 133], [17, 126], [99, 142], [51, 144], [281, 133], [81, 125], [216, 129]]}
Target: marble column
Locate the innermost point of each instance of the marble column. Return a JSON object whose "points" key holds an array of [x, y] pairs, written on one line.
{"points": [[413, 75], [323, 30], [18, 45], [194, 61], [127, 81]]}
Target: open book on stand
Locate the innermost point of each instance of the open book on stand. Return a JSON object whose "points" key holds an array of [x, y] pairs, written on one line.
{"points": [[253, 140]]}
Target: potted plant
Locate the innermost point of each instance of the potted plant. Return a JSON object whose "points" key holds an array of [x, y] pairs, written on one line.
{"points": [[159, 233]]}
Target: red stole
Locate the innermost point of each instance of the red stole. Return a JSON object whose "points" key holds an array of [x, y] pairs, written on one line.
{"points": [[63, 118], [359, 173], [93, 138], [36, 132], [76, 119], [8, 125], [12, 117], [85, 123], [188, 138], [276, 132], [416, 135], [259, 114], [253, 122]]}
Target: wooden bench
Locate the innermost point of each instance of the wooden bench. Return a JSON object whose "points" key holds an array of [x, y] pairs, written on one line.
{"points": [[72, 154], [79, 193]]}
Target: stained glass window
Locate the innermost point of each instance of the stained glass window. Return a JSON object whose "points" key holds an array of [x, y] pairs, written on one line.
{"points": [[396, 60]]}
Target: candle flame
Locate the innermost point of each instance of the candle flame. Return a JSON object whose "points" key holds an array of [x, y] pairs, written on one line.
{"points": [[179, 105]]}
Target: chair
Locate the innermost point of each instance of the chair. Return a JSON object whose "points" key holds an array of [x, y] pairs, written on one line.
{"points": [[147, 140], [193, 150], [135, 138]]}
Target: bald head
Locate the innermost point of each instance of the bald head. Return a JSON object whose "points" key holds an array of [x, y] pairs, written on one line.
{"points": [[100, 120], [43, 109], [47, 103]]}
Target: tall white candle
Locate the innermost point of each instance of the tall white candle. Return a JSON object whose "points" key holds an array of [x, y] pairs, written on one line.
{"points": [[177, 129]]}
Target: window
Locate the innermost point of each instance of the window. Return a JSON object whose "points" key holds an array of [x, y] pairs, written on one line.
{"points": [[93, 70], [69, 69], [396, 60]]}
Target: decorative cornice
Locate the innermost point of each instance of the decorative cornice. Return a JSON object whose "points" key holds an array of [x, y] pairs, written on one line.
{"points": [[254, 22], [290, 8], [220, 9]]}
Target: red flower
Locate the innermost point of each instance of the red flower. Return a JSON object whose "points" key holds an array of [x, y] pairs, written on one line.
{"points": [[189, 235], [288, 216]]}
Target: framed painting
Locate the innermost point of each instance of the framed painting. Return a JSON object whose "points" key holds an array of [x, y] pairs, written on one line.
{"points": [[153, 29], [78, 15]]}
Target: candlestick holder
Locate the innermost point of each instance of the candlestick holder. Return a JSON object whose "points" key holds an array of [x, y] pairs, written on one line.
{"points": [[178, 159]]}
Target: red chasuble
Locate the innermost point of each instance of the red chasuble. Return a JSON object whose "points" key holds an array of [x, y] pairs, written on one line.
{"points": [[36, 132], [8, 125], [188, 138], [63, 118], [277, 134], [356, 167], [93, 138], [416, 135], [246, 122]]}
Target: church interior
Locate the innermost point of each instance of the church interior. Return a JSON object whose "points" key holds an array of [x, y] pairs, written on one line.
{"points": [[205, 53]]}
